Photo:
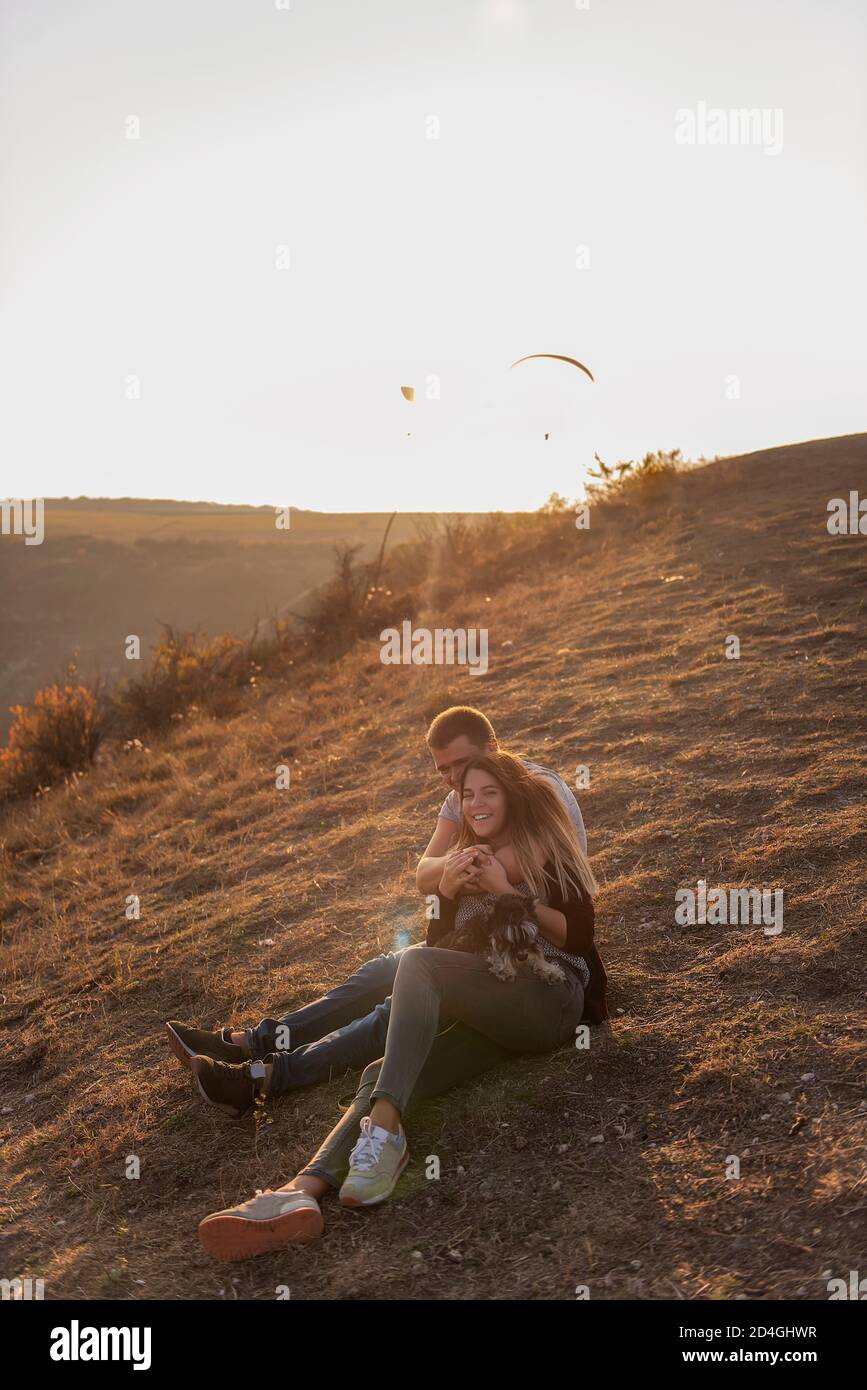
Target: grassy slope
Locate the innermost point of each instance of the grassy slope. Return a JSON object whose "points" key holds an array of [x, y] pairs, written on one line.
{"points": [[749, 772]]}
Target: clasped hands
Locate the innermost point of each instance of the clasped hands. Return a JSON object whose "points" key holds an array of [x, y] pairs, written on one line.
{"points": [[473, 870]]}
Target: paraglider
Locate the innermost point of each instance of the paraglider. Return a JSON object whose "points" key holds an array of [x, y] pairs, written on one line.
{"points": [[557, 357], [408, 393]]}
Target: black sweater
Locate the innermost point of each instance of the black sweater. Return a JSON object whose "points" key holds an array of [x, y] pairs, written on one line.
{"points": [[580, 928]]}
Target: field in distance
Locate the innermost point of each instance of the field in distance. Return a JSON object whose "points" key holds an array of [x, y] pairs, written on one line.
{"points": [[111, 567]]}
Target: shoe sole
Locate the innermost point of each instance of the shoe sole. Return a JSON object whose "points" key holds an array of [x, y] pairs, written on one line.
{"points": [[375, 1201], [231, 1110], [179, 1047], [237, 1238]]}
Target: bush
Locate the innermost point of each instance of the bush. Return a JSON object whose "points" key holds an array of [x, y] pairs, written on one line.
{"points": [[618, 481], [354, 603], [55, 736], [187, 671]]}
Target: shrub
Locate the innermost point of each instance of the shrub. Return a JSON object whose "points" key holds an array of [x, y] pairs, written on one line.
{"points": [[187, 670], [55, 736], [620, 480], [353, 603]]}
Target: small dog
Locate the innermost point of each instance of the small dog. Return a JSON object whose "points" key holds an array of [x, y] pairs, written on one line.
{"points": [[507, 935]]}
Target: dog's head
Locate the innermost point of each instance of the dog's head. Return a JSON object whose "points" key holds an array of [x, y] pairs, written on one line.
{"points": [[513, 925]]}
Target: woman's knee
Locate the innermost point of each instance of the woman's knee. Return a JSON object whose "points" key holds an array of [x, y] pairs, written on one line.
{"points": [[571, 1015], [414, 958]]}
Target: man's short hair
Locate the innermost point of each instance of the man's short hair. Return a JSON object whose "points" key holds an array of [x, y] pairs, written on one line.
{"points": [[461, 719]]}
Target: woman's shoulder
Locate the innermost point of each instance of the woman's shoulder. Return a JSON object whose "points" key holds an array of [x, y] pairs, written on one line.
{"points": [[574, 890]]}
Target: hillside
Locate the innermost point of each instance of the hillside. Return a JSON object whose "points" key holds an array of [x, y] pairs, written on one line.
{"points": [[722, 1041], [111, 567]]}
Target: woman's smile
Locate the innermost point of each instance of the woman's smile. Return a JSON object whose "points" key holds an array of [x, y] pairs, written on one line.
{"points": [[484, 804]]}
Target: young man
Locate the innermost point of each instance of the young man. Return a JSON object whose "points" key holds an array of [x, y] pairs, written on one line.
{"points": [[346, 1028], [454, 737]]}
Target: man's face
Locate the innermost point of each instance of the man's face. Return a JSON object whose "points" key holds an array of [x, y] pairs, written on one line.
{"points": [[451, 760]]}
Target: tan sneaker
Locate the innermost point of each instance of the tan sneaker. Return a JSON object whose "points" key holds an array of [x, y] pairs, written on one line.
{"points": [[375, 1165], [265, 1222]]}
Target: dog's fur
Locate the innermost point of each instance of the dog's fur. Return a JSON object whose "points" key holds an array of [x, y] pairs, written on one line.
{"points": [[510, 934]]}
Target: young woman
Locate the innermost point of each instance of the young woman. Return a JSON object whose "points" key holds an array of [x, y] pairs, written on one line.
{"points": [[451, 1018]]}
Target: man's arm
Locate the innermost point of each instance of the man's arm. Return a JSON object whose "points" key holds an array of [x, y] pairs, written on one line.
{"points": [[430, 866]]}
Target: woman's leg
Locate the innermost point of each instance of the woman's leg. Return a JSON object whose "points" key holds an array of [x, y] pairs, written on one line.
{"points": [[272, 1220], [458, 1054], [524, 1015]]}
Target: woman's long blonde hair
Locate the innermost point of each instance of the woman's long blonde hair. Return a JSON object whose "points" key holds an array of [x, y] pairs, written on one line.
{"points": [[537, 823]]}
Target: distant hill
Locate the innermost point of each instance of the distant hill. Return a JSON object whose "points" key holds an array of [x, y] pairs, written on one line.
{"points": [[111, 567]]}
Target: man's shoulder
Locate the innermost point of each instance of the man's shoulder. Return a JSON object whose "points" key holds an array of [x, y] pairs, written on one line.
{"points": [[566, 795], [451, 807], [548, 772]]}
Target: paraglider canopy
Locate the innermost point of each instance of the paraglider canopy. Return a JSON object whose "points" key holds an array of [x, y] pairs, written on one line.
{"points": [[557, 357]]}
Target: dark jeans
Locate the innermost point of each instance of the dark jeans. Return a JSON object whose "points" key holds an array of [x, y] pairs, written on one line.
{"points": [[344, 1030], [451, 1020]]}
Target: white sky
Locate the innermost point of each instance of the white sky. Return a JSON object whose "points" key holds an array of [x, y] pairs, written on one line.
{"points": [[263, 127]]}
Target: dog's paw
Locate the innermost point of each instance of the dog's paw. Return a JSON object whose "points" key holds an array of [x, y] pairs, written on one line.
{"points": [[547, 970]]}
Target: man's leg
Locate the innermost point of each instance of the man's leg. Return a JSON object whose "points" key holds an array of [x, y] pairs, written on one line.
{"points": [[346, 1049], [369, 986]]}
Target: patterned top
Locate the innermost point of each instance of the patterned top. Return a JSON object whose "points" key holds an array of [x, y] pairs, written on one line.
{"points": [[474, 905]]}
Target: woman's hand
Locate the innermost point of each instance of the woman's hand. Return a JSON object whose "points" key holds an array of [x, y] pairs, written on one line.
{"points": [[460, 873], [491, 877]]}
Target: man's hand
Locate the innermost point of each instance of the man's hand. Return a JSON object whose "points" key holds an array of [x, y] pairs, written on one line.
{"points": [[460, 872], [432, 862]]}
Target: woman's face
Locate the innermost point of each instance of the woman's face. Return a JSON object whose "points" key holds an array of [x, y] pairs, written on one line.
{"points": [[483, 803]]}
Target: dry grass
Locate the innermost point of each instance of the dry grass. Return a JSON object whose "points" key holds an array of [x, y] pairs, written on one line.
{"points": [[748, 772]]}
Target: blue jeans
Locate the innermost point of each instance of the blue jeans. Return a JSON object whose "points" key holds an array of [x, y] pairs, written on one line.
{"points": [[344, 1030]]}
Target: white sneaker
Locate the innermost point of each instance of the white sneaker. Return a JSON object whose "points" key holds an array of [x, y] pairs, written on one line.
{"points": [[375, 1165], [265, 1222]]}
